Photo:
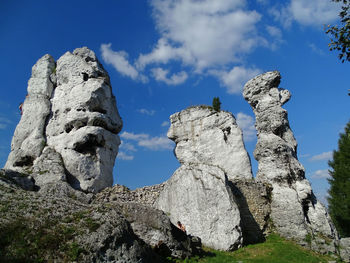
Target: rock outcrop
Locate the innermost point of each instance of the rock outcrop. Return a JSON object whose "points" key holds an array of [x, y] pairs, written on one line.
{"points": [[205, 136], [210, 148], [295, 211], [70, 123], [58, 226]]}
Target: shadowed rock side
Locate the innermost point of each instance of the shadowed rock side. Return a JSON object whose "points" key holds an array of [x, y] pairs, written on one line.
{"points": [[295, 211], [70, 122], [210, 148]]}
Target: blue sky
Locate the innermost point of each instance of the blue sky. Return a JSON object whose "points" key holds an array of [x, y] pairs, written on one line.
{"points": [[166, 55]]}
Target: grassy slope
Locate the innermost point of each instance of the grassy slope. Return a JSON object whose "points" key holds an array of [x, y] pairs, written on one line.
{"points": [[275, 249]]}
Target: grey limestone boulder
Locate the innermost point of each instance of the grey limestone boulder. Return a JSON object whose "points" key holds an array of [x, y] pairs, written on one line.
{"points": [[70, 120], [200, 198], [295, 211]]}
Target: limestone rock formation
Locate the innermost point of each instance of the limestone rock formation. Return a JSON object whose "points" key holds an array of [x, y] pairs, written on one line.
{"points": [[200, 198], [295, 211], [211, 151], [70, 121], [203, 135]]}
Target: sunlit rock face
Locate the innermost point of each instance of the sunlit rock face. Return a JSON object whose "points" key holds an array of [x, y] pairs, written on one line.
{"points": [[205, 136], [70, 115], [295, 211], [211, 151]]}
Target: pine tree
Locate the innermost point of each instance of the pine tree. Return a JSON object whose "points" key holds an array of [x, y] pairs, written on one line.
{"points": [[339, 193], [216, 103]]}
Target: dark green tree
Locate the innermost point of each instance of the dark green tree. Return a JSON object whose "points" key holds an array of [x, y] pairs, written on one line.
{"points": [[339, 193], [340, 35], [216, 103]]}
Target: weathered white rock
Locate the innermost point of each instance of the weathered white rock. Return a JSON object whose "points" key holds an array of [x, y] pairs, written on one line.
{"points": [[203, 135], [29, 137], [344, 247], [200, 198], [295, 211], [71, 110]]}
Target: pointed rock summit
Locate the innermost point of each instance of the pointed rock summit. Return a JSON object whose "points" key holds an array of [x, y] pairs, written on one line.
{"points": [[211, 151], [295, 211], [69, 128]]}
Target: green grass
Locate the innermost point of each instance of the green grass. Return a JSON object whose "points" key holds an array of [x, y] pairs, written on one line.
{"points": [[274, 250]]}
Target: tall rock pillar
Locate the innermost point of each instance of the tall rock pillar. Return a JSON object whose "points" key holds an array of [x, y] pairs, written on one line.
{"points": [[295, 211], [69, 128]]}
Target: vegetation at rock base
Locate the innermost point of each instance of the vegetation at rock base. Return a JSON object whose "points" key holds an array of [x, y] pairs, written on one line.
{"points": [[339, 193], [216, 104], [341, 35], [274, 250]]}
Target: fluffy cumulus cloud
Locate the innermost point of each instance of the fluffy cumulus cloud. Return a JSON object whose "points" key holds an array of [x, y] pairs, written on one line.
{"points": [[235, 79], [204, 36], [306, 12], [156, 143], [175, 79], [320, 174], [219, 31], [322, 157], [119, 60], [246, 123]]}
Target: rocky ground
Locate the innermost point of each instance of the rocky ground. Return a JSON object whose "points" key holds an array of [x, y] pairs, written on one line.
{"points": [[60, 224]]}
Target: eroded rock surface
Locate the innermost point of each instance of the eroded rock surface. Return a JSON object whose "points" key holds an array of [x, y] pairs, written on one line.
{"points": [[295, 211], [200, 197], [205, 136], [58, 225], [200, 194], [70, 121]]}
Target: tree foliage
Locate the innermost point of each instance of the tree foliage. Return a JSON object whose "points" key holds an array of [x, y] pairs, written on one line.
{"points": [[216, 103], [340, 35], [339, 193]]}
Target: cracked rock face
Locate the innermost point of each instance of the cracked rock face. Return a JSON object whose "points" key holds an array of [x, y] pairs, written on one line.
{"points": [[70, 119], [210, 148], [206, 136], [199, 197], [295, 211]]}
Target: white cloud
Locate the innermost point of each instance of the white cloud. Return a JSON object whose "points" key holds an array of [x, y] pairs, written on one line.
{"points": [[276, 36], [165, 124], [316, 12], [119, 60], [320, 174], [235, 79], [147, 112], [127, 146], [316, 49], [4, 122], [203, 33], [161, 75], [133, 136], [306, 12], [246, 123], [157, 143], [322, 157], [145, 140], [125, 157]]}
